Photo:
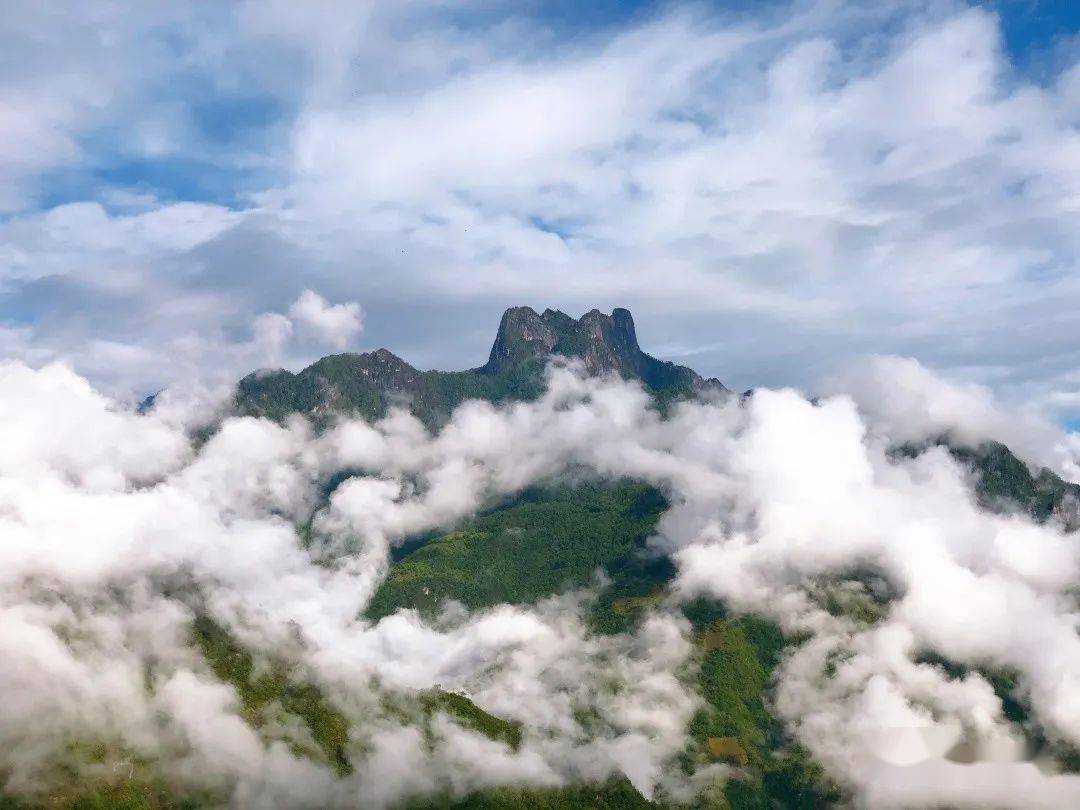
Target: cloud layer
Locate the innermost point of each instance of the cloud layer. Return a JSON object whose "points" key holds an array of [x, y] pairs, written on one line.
{"points": [[113, 523], [790, 186]]}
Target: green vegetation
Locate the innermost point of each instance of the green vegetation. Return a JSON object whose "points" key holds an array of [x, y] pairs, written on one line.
{"points": [[1005, 480], [861, 595], [366, 385], [263, 690], [616, 794], [638, 585], [1004, 483], [468, 714], [733, 680], [102, 776], [418, 709], [738, 657], [130, 794], [119, 795], [547, 539], [542, 542]]}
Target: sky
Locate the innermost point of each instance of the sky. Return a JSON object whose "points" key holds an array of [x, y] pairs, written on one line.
{"points": [[192, 191]]}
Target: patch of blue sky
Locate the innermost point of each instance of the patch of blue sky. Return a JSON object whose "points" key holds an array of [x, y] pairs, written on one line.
{"points": [[232, 120], [572, 15], [1034, 32], [571, 19], [562, 228], [224, 152], [1039, 36], [173, 179], [167, 179]]}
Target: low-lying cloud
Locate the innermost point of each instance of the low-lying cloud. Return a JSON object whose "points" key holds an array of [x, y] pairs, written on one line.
{"points": [[115, 526]]}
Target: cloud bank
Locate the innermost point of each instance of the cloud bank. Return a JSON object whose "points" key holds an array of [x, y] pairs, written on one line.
{"points": [[116, 528]]}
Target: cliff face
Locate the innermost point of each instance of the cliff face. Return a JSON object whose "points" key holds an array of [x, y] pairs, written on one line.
{"points": [[522, 336], [605, 343], [367, 384]]}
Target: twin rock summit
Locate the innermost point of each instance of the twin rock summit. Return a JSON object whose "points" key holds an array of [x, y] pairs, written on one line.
{"points": [[368, 384]]}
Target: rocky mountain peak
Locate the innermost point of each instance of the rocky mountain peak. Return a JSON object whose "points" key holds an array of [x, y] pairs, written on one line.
{"points": [[605, 343], [523, 334]]}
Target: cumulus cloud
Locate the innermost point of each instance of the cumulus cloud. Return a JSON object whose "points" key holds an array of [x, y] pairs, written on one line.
{"points": [[277, 340], [336, 324], [101, 509], [87, 546], [822, 496], [907, 402]]}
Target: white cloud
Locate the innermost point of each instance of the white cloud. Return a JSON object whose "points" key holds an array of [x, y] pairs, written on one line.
{"points": [[818, 189], [336, 324], [909, 403], [270, 331], [769, 494], [83, 532], [783, 191]]}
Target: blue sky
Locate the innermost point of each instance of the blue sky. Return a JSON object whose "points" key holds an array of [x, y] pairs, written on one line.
{"points": [[1038, 35], [773, 188]]}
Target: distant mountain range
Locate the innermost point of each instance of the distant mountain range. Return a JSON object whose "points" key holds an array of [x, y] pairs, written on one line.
{"points": [[366, 384]]}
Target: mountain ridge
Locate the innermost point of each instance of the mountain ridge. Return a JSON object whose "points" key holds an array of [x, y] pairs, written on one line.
{"points": [[368, 383]]}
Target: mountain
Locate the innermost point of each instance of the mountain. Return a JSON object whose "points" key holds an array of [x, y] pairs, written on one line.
{"points": [[1004, 483], [367, 384], [605, 343]]}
